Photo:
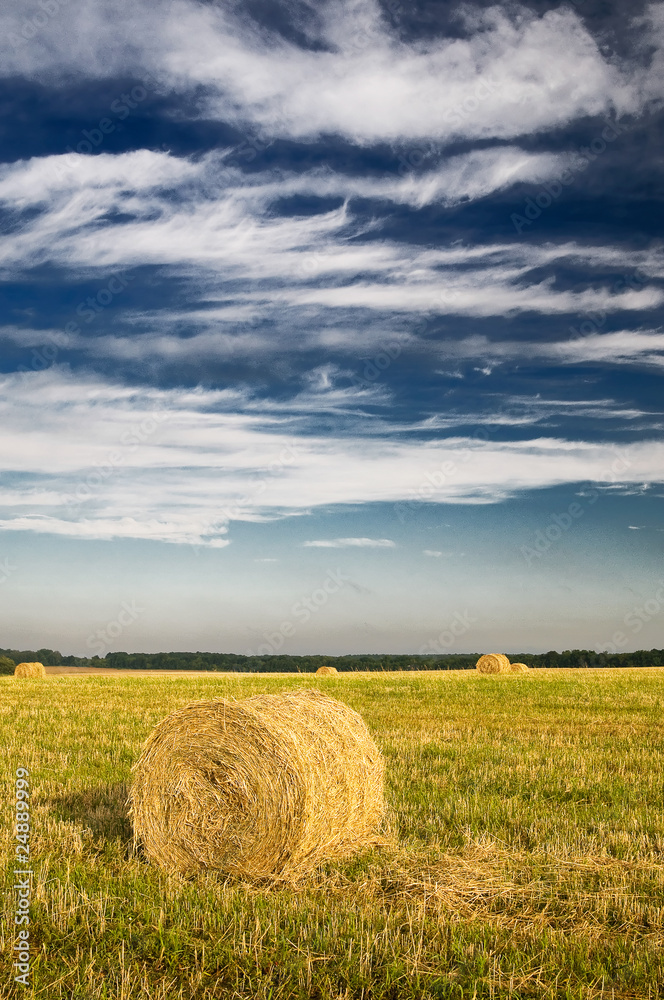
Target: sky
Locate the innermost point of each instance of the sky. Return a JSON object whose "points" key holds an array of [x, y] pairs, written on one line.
{"points": [[331, 327]]}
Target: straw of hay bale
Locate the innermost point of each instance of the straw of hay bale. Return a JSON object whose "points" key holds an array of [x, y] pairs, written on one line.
{"points": [[326, 671], [519, 668], [267, 787], [493, 663], [29, 670]]}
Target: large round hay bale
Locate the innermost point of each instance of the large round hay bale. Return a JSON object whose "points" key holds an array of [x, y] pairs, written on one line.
{"points": [[493, 663], [267, 787], [29, 670], [519, 668], [326, 671]]}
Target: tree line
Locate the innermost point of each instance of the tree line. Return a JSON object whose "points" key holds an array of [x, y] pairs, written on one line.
{"points": [[575, 658]]}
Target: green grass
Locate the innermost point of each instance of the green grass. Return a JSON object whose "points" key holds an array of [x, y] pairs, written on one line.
{"points": [[528, 858]]}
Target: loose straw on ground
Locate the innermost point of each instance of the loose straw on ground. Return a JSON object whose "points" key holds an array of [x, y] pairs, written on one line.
{"points": [[268, 787]]}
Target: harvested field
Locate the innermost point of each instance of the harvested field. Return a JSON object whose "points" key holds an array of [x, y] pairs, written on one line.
{"points": [[527, 861], [111, 672]]}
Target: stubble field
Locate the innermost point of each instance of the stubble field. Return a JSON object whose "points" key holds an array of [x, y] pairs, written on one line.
{"points": [[526, 817]]}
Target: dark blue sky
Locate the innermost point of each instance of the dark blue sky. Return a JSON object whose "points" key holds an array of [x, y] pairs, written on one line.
{"points": [[299, 289]]}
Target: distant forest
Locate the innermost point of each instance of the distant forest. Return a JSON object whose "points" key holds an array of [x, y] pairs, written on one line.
{"points": [[306, 664]]}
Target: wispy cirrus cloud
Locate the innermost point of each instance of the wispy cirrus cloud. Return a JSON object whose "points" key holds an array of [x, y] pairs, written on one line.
{"points": [[89, 458], [346, 543], [634, 347], [201, 221], [155, 208]]}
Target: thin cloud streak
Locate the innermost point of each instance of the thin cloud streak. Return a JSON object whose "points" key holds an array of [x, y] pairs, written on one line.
{"points": [[345, 543], [74, 457]]}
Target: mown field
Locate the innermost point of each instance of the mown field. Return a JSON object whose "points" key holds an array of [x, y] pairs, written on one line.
{"points": [[527, 857]]}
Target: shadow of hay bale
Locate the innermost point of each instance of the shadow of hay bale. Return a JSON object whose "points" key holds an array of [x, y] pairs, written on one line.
{"points": [[102, 809]]}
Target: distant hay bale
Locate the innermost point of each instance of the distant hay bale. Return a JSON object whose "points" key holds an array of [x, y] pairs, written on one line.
{"points": [[266, 787], [30, 670], [326, 671], [519, 668], [493, 663]]}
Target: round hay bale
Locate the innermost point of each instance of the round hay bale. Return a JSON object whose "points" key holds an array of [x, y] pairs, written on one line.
{"points": [[326, 671], [266, 787], [29, 670], [493, 663], [519, 668]]}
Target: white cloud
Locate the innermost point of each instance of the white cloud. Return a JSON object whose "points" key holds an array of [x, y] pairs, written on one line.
{"points": [[491, 292], [204, 223], [91, 458], [515, 73], [175, 529], [623, 346], [458, 178], [344, 543], [220, 216], [643, 347]]}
